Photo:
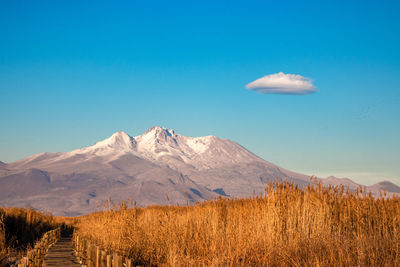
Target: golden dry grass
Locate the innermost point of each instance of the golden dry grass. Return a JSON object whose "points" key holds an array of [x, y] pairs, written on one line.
{"points": [[20, 228], [288, 226]]}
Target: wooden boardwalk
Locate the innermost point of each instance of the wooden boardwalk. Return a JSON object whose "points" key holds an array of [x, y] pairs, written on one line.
{"points": [[61, 254]]}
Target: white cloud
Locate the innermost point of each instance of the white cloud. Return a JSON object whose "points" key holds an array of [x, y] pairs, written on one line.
{"points": [[281, 83]]}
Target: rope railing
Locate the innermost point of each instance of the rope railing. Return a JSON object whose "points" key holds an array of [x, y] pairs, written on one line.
{"points": [[91, 255], [35, 256]]}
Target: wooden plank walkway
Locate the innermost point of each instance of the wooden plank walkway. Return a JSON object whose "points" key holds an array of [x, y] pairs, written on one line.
{"points": [[61, 254]]}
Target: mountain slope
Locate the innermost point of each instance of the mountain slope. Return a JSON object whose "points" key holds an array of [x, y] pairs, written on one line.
{"points": [[79, 183]]}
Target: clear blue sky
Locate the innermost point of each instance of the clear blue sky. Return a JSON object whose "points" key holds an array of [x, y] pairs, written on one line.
{"points": [[74, 72]]}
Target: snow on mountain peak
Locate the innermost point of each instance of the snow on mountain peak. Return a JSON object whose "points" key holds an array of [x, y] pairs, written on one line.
{"points": [[158, 135], [158, 131], [117, 141], [160, 144]]}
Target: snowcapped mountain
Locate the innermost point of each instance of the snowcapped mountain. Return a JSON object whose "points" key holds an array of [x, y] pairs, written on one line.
{"points": [[157, 167], [159, 145]]}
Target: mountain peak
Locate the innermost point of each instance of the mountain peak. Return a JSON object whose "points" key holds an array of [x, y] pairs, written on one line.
{"points": [[160, 129], [119, 140], [157, 136], [385, 186], [120, 137], [120, 133]]}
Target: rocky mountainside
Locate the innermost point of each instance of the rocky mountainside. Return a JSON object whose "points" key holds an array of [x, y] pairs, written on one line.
{"points": [[157, 167]]}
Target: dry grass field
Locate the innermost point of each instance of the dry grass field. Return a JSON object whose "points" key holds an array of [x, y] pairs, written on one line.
{"points": [[19, 229], [288, 226]]}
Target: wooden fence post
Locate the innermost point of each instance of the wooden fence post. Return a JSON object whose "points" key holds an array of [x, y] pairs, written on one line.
{"points": [[103, 261], [117, 260], [89, 254], [83, 250], [92, 255], [78, 247], [108, 260], [97, 256]]}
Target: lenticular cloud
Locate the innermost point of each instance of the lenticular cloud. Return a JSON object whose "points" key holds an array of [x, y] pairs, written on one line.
{"points": [[281, 83]]}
